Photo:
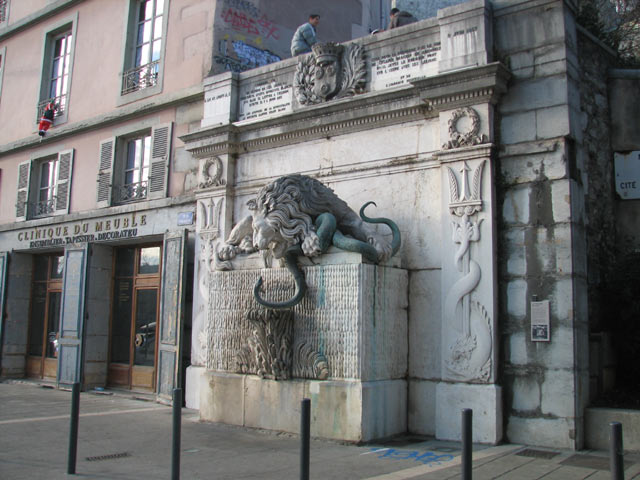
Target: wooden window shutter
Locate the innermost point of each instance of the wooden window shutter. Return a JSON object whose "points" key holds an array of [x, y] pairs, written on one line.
{"points": [[24, 175], [160, 152], [63, 182], [105, 172]]}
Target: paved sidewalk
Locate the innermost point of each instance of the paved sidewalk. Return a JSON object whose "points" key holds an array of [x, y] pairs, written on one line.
{"points": [[121, 437]]}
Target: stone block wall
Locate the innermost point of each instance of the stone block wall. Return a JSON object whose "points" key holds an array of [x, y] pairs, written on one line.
{"points": [[541, 253]]}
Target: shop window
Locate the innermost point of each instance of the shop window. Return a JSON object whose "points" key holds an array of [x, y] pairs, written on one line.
{"points": [[44, 186], [134, 319], [134, 167], [56, 71], [4, 13], [145, 48], [44, 321]]}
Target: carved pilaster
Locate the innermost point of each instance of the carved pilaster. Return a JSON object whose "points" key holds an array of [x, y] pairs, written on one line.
{"points": [[468, 266], [214, 220]]}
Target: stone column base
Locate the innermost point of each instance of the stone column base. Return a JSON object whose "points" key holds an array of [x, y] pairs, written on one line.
{"points": [[484, 400], [341, 410]]}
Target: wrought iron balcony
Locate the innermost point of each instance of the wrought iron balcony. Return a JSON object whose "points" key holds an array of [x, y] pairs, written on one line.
{"points": [[60, 101], [139, 78], [43, 208], [131, 192]]}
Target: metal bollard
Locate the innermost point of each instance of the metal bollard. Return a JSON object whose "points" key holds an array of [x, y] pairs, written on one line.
{"points": [[305, 431], [73, 429], [175, 445], [616, 450], [467, 449]]}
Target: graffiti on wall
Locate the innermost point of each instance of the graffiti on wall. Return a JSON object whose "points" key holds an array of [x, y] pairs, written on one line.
{"points": [[248, 29]]}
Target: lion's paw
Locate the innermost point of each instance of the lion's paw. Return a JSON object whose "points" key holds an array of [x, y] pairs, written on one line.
{"points": [[383, 248], [227, 252], [311, 245]]}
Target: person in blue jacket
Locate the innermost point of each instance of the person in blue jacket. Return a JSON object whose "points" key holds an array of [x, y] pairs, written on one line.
{"points": [[305, 36]]}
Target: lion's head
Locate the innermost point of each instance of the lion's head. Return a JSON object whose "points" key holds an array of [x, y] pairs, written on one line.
{"points": [[284, 212]]}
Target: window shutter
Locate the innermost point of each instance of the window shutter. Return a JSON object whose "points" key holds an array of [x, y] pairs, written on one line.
{"points": [[63, 182], [24, 174], [160, 151], [105, 172]]}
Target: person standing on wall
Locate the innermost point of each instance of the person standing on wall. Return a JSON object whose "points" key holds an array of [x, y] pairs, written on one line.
{"points": [[305, 36], [400, 18]]}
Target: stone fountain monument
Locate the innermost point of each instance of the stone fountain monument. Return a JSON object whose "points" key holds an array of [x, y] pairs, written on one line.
{"points": [[384, 315]]}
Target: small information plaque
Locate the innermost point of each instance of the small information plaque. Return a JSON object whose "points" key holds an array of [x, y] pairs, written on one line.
{"points": [[540, 326], [185, 218]]}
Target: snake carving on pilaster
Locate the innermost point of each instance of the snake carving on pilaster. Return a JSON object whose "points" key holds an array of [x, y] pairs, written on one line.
{"points": [[469, 351]]}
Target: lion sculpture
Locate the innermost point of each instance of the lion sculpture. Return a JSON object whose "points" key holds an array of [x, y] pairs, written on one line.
{"points": [[297, 215]]}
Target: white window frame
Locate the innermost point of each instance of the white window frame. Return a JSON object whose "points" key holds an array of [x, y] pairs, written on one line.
{"points": [[112, 164], [4, 21], [29, 186], [53, 32], [135, 191], [3, 59], [129, 55]]}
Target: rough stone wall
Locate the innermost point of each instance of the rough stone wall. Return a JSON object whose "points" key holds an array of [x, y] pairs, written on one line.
{"points": [[537, 251], [595, 162]]}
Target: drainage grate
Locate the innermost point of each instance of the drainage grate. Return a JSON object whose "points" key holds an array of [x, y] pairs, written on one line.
{"points": [[533, 453], [108, 457], [590, 461]]}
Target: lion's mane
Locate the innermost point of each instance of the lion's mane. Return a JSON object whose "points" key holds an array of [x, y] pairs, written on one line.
{"points": [[290, 205]]}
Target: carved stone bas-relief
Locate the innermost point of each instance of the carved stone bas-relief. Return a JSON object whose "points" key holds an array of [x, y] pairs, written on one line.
{"points": [[330, 71], [268, 353], [464, 135], [297, 215], [469, 353], [211, 173]]}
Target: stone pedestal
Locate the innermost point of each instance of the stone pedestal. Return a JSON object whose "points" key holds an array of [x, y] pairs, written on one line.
{"points": [[345, 345], [486, 402], [349, 410]]}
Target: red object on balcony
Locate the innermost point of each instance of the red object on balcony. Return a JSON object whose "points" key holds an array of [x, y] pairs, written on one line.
{"points": [[47, 119]]}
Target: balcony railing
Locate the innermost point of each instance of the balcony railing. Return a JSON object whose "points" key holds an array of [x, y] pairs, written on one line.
{"points": [[43, 208], [141, 77], [130, 192], [61, 103]]}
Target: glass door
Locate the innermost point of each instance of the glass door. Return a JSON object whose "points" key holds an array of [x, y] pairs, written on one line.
{"points": [[44, 321], [134, 320]]}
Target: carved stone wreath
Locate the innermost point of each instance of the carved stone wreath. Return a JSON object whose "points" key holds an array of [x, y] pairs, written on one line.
{"points": [[459, 139], [351, 67], [211, 173]]}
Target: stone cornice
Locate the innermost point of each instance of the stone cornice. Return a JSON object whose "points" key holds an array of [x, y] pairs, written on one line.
{"points": [[137, 207], [464, 87], [36, 17], [363, 112]]}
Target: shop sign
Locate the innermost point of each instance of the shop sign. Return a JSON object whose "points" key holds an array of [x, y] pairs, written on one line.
{"points": [[99, 230], [627, 167]]}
